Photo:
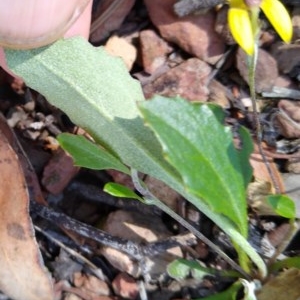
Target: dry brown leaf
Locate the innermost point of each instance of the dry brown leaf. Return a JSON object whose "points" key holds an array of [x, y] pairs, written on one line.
{"points": [[257, 194], [260, 171], [284, 287], [22, 275], [31, 178], [262, 186]]}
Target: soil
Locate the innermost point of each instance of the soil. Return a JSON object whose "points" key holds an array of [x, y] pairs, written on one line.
{"points": [[195, 57]]}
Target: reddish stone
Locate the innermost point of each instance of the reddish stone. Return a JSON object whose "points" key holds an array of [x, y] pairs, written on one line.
{"points": [[58, 172], [154, 50], [125, 286], [287, 56], [266, 70], [188, 80], [288, 119], [194, 33]]}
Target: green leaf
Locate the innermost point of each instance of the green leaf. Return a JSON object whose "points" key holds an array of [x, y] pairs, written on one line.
{"points": [[202, 151], [181, 268], [89, 155], [218, 112], [97, 93], [246, 145], [291, 262], [178, 270], [283, 205], [244, 153], [119, 190]]}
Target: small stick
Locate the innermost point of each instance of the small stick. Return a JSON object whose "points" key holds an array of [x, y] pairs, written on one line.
{"points": [[132, 249], [93, 268]]}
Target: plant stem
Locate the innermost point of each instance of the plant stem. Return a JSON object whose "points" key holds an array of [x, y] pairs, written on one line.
{"points": [[252, 60], [150, 199]]}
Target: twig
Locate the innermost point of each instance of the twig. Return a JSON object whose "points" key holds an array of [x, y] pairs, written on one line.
{"points": [[96, 195], [282, 93], [142, 290], [271, 154], [93, 268], [132, 249], [154, 248]]}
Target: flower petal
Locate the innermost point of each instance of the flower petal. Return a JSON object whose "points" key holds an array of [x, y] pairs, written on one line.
{"points": [[279, 18], [240, 27]]}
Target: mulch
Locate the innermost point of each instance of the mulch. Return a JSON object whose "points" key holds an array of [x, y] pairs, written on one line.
{"points": [[192, 56]]}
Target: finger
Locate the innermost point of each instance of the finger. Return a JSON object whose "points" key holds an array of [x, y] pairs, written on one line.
{"points": [[81, 27]]}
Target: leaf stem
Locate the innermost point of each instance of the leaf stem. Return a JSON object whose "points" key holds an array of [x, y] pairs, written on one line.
{"points": [[150, 199]]}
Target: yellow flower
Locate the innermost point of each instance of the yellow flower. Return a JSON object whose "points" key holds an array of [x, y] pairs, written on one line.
{"points": [[243, 23]]}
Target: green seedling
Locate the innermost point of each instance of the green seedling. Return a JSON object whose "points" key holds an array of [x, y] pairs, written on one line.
{"points": [[185, 145], [111, 116]]}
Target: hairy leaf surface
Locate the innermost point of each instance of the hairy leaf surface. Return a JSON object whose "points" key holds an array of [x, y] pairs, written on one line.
{"points": [[97, 93]]}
